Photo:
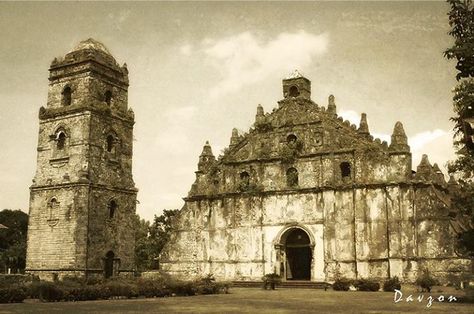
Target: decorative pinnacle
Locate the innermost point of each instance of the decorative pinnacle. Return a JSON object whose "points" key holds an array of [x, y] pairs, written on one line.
{"points": [[363, 125], [260, 110], [234, 138], [424, 160], [207, 150], [424, 169], [399, 139], [331, 104]]}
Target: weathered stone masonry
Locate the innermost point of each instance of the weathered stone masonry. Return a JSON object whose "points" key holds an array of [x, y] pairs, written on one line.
{"points": [[83, 197], [310, 196]]}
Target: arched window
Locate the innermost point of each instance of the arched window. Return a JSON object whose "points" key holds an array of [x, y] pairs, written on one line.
{"points": [[108, 97], [67, 96], [110, 143], [345, 169], [294, 92], [112, 208], [292, 177], [60, 140]]}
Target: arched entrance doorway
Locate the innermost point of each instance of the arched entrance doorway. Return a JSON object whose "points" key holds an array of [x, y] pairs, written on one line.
{"points": [[294, 253], [109, 264]]}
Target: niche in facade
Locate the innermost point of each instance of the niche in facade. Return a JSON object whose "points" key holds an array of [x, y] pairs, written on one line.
{"points": [[112, 209], [108, 97], [345, 170], [292, 177]]}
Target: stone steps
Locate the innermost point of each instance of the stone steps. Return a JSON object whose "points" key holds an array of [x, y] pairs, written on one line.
{"points": [[294, 284]]}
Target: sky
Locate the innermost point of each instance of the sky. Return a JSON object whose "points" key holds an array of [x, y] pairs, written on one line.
{"points": [[199, 69]]}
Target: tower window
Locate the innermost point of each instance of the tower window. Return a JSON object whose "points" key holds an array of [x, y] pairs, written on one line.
{"points": [[291, 139], [345, 169], [108, 97], [294, 92], [292, 177], [67, 96], [61, 140], [112, 208], [110, 143]]}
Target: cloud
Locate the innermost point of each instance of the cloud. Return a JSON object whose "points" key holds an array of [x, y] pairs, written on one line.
{"points": [[437, 144], [244, 59], [185, 49]]}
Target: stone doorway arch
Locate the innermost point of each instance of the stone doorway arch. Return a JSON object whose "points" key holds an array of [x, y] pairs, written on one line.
{"points": [[294, 253]]}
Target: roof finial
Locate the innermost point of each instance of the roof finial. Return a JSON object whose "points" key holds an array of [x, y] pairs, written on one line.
{"points": [[363, 125], [399, 139], [331, 105], [234, 139]]}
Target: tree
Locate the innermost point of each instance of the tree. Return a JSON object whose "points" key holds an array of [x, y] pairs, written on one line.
{"points": [[151, 238], [160, 231], [142, 244], [461, 20], [13, 240]]}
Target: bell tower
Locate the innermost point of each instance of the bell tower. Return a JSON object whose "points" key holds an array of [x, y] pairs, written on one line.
{"points": [[296, 85], [83, 197]]}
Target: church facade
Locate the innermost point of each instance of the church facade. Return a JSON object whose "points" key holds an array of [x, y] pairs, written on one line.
{"points": [[83, 197], [309, 196]]}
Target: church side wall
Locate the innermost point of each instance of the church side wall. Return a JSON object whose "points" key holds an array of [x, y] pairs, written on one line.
{"points": [[361, 232]]}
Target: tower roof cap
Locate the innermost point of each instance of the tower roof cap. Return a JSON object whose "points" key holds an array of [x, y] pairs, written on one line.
{"points": [[91, 44], [294, 75]]}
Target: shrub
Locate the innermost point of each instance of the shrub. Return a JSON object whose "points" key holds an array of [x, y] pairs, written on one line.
{"points": [[341, 284], [208, 285], [425, 281], [49, 291], [121, 288], [367, 285], [15, 280], [182, 288], [271, 280], [391, 284], [12, 294], [152, 288]]}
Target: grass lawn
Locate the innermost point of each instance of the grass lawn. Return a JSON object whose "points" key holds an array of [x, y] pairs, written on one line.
{"points": [[250, 300]]}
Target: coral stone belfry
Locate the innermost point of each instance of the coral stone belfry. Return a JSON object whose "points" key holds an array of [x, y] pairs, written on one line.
{"points": [[309, 196], [83, 197]]}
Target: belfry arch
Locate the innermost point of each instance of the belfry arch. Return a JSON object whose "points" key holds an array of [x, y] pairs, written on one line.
{"points": [[294, 247]]}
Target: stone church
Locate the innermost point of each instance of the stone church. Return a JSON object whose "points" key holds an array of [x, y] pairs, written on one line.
{"points": [[303, 194], [83, 198], [309, 196]]}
